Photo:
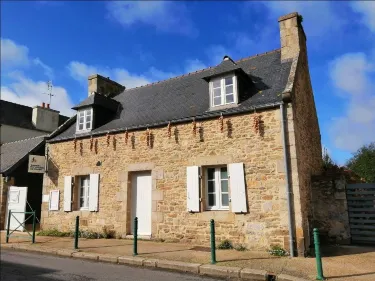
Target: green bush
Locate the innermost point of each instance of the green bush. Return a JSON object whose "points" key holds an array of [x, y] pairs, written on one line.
{"points": [[225, 245], [278, 251], [108, 233], [53, 232]]}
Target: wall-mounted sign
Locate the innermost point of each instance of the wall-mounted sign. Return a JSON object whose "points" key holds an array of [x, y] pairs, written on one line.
{"points": [[37, 164]]}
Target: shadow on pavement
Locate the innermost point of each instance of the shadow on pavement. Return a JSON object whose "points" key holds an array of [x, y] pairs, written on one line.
{"points": [[335, 251], [15, 271]]}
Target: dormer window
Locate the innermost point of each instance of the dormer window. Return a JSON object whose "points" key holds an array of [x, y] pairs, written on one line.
{"points": [[223, 90], [84, 120]]}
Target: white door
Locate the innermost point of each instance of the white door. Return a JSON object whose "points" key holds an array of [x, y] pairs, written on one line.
{"points": [[17, 196], [141, 202]]}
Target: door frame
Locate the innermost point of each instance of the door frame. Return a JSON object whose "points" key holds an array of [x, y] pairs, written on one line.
{"points": [[133, 176]]}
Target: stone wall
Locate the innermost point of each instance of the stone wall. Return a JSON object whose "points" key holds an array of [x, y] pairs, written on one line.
{"points": [[262, 154], [304, 140], [4, 185], [330, 212]]}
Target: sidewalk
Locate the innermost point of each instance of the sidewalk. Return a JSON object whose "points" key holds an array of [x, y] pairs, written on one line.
{"points": [[339, 263]]}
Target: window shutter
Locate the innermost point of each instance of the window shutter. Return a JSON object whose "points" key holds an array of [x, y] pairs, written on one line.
{"points": [[94, 192], [237, 188], [54, 200], [192, 182], [68, 194]]}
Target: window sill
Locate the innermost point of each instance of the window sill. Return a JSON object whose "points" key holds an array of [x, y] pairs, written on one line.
{"points": [[208, 210], [224, 106]]}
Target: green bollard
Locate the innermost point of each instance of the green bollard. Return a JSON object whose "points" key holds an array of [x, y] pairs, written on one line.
{"points": [[213, 247], [34, 227], [76, 233], [9, 214], [318, 257], [135, 240]]}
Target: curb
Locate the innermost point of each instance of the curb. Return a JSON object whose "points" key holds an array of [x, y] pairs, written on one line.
{"points": [[209, 270]]}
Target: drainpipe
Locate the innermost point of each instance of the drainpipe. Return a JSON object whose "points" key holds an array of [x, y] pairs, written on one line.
{"points": [[288, 191]]}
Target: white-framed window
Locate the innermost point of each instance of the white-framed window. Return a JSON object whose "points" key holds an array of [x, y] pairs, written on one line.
{"points": [[84, 189], [84, 120], [217, 184], [223, 90]]}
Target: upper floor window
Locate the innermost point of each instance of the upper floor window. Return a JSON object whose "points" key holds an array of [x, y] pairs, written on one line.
{"points": [[223, 90], [84, 119]]}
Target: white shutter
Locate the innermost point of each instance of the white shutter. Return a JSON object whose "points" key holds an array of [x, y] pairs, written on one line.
{"points": [[68, 194], [237, 188], [94, 192], [192, 182], [54, 200]]}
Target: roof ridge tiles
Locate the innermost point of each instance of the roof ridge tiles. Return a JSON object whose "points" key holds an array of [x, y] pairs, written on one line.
{"points": [[199, 70]]}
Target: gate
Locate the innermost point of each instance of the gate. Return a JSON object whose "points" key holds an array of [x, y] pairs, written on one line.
{"points": [[361, 207]]}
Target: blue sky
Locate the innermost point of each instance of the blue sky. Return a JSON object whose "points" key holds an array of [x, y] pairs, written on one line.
{"points": [[135, 43]]}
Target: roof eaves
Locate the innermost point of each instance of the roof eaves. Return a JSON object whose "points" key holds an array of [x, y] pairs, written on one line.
{"points": [[207, 115], [23, 158]]}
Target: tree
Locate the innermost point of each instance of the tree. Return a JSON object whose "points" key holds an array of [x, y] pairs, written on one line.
{"points": [[328, 163], [363, 162]]}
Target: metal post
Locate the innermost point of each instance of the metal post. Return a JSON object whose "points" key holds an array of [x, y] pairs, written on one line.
{"points": [[318, 257], [213, 246], [9, 214], [135, 241], [76, 233], [34, 218]]}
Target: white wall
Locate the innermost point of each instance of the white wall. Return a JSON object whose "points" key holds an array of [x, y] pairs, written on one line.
{"points": [[11, 133]]}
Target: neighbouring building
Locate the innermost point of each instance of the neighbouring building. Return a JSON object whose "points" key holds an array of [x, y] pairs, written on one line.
{"points": [[237, 143], [23, 131], [18, 122]]}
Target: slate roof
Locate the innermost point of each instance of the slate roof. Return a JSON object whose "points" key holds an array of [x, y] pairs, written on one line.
{"points": [[184, 97], [98, 100], [18, 115], [13, 153]]}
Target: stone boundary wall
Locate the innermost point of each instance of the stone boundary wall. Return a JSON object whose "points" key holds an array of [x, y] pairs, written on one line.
{"points": [[330, 209]]}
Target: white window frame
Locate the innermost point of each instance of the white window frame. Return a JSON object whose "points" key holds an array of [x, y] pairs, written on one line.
{"points": [[86, 192], [85, 115], [218, 191], [223, 90]]}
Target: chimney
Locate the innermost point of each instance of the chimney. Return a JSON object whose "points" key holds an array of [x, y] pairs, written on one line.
{"points": [[104, 86], [292, 36], [44, 118]]}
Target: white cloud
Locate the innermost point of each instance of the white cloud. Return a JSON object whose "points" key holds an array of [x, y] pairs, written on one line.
{"points": [[14, 55], [320, 17], [166, 16], [353, 76], [194, 65], [80, 72], [29, 92], [367, 9]]}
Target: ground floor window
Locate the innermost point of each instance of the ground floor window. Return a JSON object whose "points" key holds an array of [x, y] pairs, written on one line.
{"points": [[217, 196], [84, 187]]}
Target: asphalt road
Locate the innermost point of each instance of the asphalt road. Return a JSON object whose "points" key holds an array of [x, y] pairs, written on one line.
{"points": [[17, 266]]}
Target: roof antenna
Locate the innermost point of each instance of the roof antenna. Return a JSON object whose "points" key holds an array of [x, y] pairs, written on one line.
{"points": [[49, 90]]}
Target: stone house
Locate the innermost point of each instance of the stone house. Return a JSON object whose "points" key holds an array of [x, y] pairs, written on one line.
{"points": [[237, 143]]}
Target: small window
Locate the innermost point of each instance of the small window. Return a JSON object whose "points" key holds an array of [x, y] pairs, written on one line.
{"points": [[217, 188], [224, 91], [84, 187], [84, 120]]}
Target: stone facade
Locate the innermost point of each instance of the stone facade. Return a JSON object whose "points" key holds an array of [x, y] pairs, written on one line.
{"points": [[262, 154], [266, 222], [330, 208]]}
